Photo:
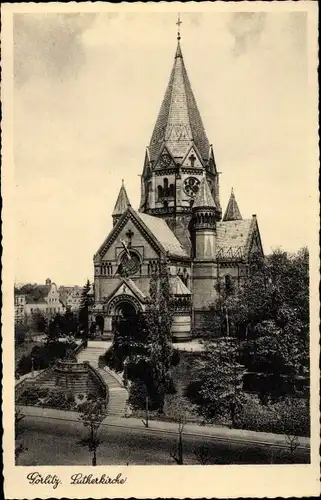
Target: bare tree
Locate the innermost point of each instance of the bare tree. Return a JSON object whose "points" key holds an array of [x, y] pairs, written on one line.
{"points": [[19, 448], [178, 410], [92, 414], [203, 454]]}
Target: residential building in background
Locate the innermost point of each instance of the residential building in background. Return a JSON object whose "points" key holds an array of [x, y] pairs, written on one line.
{"points": [[31, 298], [70, 296]]}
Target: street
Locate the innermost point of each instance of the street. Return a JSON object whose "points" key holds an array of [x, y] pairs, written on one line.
{"points": [[56, 442]]}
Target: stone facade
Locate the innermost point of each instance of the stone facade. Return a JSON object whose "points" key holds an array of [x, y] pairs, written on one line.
{"points": [[179, 219]]}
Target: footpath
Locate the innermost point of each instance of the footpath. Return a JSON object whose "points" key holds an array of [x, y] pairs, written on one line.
{"points": [[207, 431]]}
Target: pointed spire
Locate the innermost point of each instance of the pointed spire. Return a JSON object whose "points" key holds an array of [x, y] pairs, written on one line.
{"points": [[122, 201], [179, 124], [178, 51], [232, 210], [204, 198]]}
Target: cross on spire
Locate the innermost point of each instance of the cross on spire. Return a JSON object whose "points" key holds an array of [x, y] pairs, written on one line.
{"points": [[179, 22]]}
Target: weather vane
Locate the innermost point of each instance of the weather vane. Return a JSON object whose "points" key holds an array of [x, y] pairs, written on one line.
{"points": [[179, 22]]}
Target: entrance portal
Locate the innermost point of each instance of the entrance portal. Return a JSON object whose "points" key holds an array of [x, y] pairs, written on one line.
{"points": [[125, 319], [125, 310]]}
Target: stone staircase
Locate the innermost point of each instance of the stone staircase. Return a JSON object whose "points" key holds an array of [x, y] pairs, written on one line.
{"points": [[118, 395], [46, 379]]}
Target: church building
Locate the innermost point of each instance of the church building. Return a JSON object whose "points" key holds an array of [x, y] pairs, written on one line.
{"points": [[179, 219]]}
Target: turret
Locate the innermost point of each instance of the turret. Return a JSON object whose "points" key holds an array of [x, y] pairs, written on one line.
{"points": [[121, 205], [232, 211], [204, 219]]}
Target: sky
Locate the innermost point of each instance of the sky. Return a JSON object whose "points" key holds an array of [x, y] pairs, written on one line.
{"points": [[87, 91]]}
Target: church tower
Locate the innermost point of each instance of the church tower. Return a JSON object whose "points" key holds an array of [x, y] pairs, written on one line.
{"points": [[178, 157]]}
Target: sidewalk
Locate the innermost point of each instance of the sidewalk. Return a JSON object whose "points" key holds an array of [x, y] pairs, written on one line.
{"points": [[210, 431]]}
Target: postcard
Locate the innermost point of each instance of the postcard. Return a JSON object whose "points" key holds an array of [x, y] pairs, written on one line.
{"points": [[160, 250]]}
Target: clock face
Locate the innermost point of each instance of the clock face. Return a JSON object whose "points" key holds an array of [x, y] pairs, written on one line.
{"points": [[191, 186], [129, 265]]}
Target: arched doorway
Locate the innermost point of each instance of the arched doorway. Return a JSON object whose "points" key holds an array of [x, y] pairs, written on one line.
{"points": [[125, 319], [124, 310]]}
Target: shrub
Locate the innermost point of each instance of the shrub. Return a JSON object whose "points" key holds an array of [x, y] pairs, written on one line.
{"points": [[30, 396], [59, 400], [43, 356], [113, 361], [171, 388], [175, 359], [20, 331], [289, 416], [137, 395], [192, 392]]}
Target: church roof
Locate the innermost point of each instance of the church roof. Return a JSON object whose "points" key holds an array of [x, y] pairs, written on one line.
{"points": [[232, 238], [162, 233], [177, 287], [122, 201], [179, 122], [204, 196], [232, 210]]}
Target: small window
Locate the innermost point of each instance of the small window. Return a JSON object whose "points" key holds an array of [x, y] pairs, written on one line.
{"points": [[228, 283]]}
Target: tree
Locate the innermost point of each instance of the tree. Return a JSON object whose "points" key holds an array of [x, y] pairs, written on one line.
{"points": [[143, 342], [138, 398], [37, 322], [203, 454], [270, 312], [19, 448], [158, 321], [20, 331], [55, 328], [178, 411], [69, 322], [92, 413], [86, 302], [222, 380]]}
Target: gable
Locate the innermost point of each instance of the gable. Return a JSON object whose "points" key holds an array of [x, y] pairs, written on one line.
{"points": [[192, 159], [165, 159], [211, 165], [141, 242], [127, 287], [151, 233]]}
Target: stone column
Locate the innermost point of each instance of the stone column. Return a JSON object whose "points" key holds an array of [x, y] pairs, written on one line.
{"points": [[107, 324]]}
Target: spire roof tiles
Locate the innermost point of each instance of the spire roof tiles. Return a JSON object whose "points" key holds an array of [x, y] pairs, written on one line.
{"points": [[179, 122], [232, 210], [204, 196], [122, 201]]}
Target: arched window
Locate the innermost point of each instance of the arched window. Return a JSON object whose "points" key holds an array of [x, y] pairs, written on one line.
{"points": [[160, 193], [228, 284], [165, 187], [171, 191]]}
